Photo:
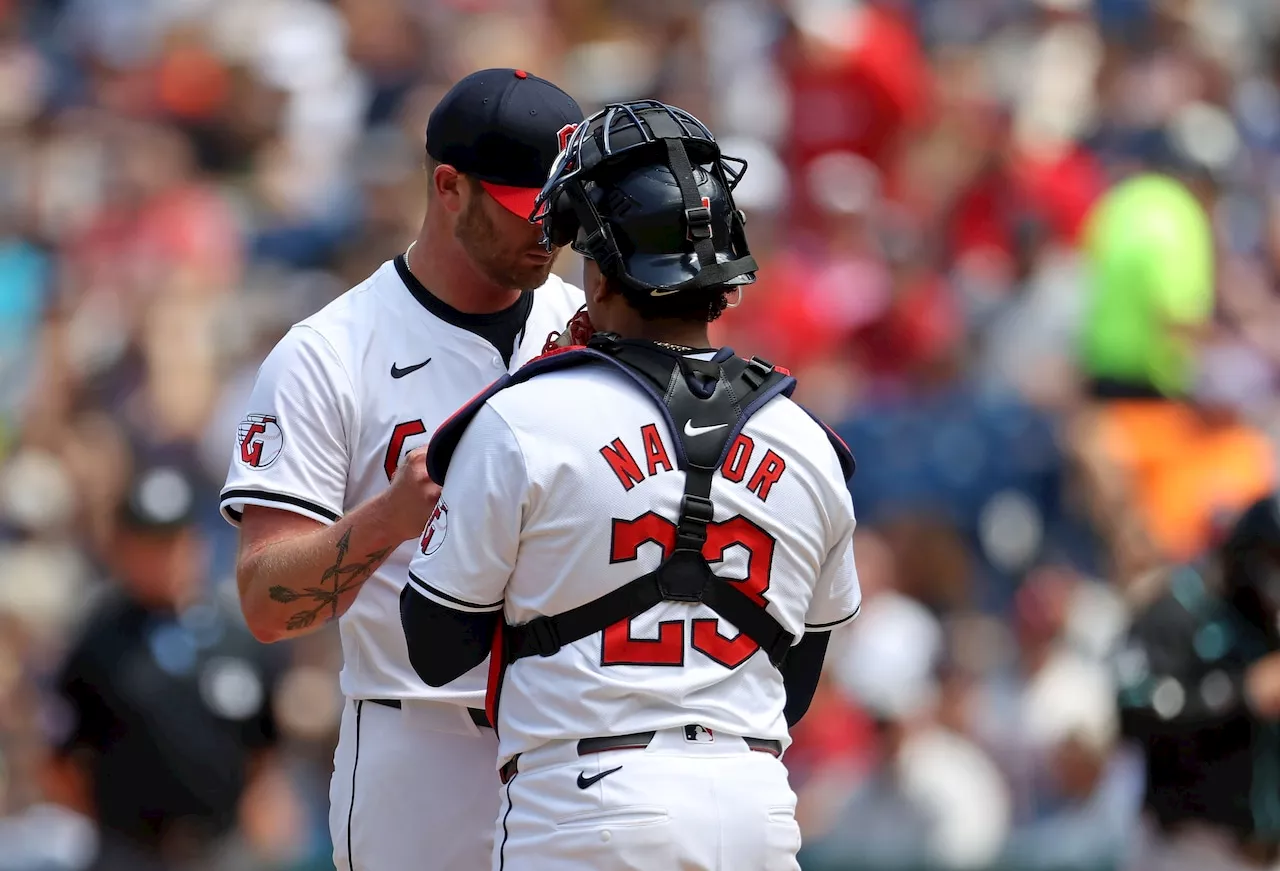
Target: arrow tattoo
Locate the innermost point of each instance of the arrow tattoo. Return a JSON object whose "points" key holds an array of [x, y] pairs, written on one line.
{"points": [[345, 577]]}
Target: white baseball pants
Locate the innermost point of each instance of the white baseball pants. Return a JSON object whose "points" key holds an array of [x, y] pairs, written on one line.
{"points": [[413, 789], [679, 803]]}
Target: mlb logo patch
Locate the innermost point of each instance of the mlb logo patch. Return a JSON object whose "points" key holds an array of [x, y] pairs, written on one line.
{"points": [[698, 735]]}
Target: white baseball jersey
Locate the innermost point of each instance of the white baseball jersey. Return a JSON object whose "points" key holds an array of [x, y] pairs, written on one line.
{"points": [[336, 405], [564, 487]]}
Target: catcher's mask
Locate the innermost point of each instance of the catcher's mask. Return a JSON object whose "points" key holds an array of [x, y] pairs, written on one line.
{"points": [[642, 189]]}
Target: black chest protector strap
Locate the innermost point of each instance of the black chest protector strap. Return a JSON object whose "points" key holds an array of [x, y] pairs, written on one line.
{"points": [[706, 404]]}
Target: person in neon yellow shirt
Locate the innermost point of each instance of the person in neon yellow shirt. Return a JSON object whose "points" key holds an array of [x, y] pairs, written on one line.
{"points": [[1149, 244], [1161, 465]]}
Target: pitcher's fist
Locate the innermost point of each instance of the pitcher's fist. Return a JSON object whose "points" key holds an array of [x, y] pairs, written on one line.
{"points": [[412, 495]]}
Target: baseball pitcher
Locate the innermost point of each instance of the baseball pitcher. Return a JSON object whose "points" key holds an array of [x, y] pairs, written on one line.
{"points": [[329, 487]]}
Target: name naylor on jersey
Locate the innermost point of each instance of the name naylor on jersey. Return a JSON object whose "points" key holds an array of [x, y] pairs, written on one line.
{"points": [[741, 460]]}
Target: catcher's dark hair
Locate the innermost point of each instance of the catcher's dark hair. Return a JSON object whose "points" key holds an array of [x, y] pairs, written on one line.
{"points": [[695, 306]]}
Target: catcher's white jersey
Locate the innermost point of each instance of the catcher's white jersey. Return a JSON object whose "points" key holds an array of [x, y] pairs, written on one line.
{"points": [[338, 402], [563, 488]]}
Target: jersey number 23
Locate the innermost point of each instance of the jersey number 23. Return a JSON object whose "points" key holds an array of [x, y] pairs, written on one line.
{"points": [[619, 648]]}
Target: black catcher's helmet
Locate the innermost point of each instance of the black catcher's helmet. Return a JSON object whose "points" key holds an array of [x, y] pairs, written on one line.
{"points": [[642, 189], [1251, 565]]}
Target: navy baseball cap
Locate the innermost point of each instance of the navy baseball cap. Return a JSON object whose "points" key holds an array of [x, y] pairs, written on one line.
{"points": [[505, 128]]}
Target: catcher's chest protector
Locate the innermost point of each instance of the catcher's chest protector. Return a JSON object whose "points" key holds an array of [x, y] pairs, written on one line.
{"points": [[726, 390]]}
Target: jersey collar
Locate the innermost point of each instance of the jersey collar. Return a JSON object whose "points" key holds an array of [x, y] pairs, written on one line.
{"points": [[465, 320]]}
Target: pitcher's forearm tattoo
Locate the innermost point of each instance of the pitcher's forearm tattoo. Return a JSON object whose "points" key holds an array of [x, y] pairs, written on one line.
{"points": [[345, 577]]}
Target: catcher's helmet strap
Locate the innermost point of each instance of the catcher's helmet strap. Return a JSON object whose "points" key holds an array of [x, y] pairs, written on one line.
{"points": [[598, 243], [697, 216]]}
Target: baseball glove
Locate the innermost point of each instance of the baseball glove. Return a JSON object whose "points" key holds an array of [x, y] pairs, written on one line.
{"points": [[577, 332]]}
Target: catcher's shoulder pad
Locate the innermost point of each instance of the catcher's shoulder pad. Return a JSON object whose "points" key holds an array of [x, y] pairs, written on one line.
{"points": [[446, 438], [847, 463]]}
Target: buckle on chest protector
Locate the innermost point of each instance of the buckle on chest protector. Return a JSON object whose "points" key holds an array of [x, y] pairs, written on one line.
{"points": [[695, 513], [685, 575], [757, 372]]}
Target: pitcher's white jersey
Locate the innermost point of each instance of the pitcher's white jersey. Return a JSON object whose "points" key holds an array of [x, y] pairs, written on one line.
{"points": [[337, 404], [564, 487]]}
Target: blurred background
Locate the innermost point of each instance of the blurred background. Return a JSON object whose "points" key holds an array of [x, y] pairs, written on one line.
{"points": [[1045, 403]]}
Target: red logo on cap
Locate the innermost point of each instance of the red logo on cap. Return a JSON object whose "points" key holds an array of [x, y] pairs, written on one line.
{"points": [[564, 133], [521, 74]]}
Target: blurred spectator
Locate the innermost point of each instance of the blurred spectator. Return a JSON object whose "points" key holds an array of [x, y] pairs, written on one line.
{"points": [[1199, 697], [953, 204], [1069, 721], [167, 719], [1179, 455], [935, 799]]}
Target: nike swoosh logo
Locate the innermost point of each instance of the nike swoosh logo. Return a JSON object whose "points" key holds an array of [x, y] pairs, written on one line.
{"points": [[584, 781], [397, 372], [691, 430], [657, 291]]}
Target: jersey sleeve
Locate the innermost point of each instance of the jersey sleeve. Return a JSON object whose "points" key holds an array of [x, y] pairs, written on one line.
{"points": [[292, 448], [468, 550], [836, 596]]}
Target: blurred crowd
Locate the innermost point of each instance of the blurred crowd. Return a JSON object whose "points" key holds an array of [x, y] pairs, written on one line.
{"points": [[181, 180]]}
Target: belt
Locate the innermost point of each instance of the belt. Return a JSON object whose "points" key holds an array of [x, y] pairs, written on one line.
{"points": [[478, 716], [635, 741]]}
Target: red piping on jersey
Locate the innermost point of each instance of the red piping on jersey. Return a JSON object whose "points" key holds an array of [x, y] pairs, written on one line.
{"points": [[497, 670], [835, 435]]}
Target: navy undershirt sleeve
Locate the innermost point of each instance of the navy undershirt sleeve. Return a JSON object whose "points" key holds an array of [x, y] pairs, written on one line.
{"points": [[444, 643]]}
